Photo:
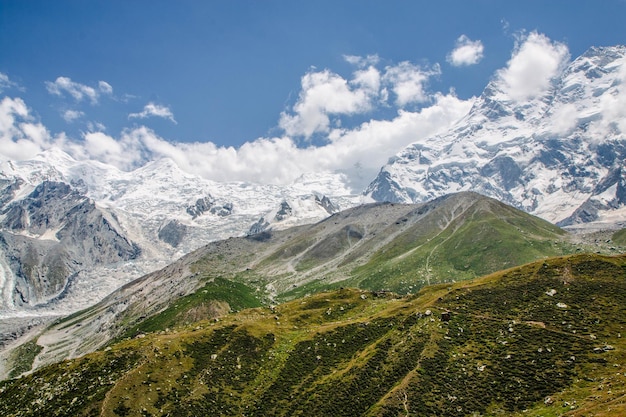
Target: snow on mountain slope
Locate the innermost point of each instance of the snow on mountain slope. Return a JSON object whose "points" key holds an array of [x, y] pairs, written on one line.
{"points": [[162, 210], [559, 155]]}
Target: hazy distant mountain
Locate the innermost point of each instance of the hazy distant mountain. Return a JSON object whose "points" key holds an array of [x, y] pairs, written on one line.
{"points": [[559, 155]]}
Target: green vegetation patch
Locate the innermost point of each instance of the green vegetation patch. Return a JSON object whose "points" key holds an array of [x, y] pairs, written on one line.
{"points": [[619, 237], [73, 388], [544, 339], [467, 248], [216, 298], [23, 357], [479, 363]]}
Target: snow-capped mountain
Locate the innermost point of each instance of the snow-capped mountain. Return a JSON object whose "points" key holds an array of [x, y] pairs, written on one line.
{"points": [[73, 231], [559, 155]]}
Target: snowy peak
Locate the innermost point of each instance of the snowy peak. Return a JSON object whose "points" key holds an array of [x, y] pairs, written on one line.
{"points": [[149, 216], [546, 155]]}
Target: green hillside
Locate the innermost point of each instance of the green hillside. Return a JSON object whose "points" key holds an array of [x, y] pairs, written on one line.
{"points": [[543, 339], [444, 241], [619, 237], [394, 247]]}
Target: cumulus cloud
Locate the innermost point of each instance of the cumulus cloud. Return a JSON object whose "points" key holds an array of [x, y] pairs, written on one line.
{"points": [[466, 52], [323, 94], [325, 97], [154, 110], [105, 88], [535, 61], [360, 61], [78, 91], [70, 115], [279, 160], [408, 81], [275, 160], [21, 137]]}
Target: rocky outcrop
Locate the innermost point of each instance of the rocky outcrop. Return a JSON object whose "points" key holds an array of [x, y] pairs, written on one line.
{"points": [[201, 206], [285, 211], [327, 204], [173, 233], [53, 233]]}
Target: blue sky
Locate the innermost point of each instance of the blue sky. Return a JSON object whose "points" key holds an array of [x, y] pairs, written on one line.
{"points": [[235, 79]]}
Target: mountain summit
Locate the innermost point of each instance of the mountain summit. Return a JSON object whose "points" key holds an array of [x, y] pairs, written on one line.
{"points": [[558, 154]]}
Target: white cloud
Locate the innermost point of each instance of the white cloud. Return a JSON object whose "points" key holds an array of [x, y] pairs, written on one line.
{"points": [[368, 79], [154, 110], [323, 94], [96, 126], [20, 136], [362, 62], [564, 119], [5, 82], [279, 160], [326, 96], [105, 88], [78, 91], [407, 81], [70, 115], [466, 52], [535, 61]]}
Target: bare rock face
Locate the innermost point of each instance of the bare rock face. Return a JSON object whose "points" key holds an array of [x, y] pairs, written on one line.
{"points": [[173, 233], [284, 212], [53, 233], [201, 206]]}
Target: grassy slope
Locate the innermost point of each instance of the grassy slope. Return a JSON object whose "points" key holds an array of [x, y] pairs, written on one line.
{"points": [[541, 339], [619, 237], [487, 237], [383, 246], [217, 298]]}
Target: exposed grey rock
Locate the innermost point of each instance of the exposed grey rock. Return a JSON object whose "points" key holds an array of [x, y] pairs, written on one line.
{"points": [[42, 261], [329, 206], [7, 190], [223, 210], [590, 210], [260, 226], [173, 233], [201, 206], [506, 171], [384, 188], [284, 212]]}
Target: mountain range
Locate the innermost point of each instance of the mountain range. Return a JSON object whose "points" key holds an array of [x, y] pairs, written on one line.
{"points": [[382, 247], [558, 154], [64, 222], [84, 238]]}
